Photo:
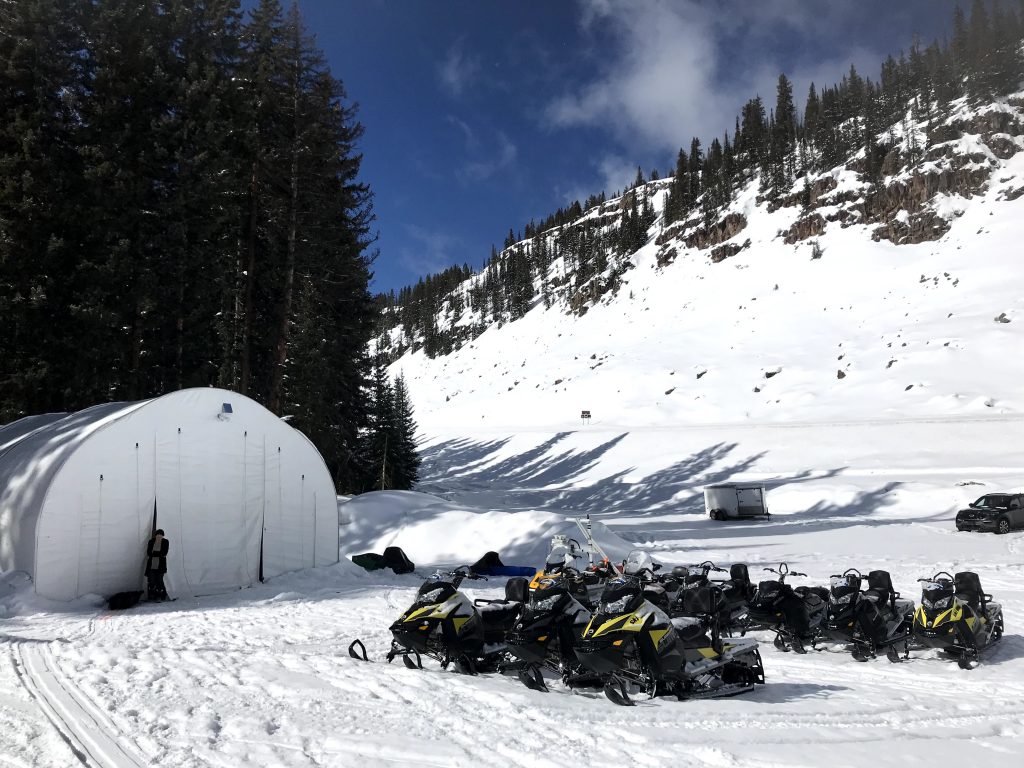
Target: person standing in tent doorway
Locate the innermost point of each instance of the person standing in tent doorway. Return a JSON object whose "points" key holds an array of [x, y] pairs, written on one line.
{"points": [[156, 565]]}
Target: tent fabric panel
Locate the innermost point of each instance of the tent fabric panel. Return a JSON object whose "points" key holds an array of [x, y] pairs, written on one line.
{"points": [[93, 529], [27, 468], [15, 431], [216, 536]]}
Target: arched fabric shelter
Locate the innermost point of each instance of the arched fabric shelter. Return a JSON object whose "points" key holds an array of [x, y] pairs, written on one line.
{"points": [[240, 494]]}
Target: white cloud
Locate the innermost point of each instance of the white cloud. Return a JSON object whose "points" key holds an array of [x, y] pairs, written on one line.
{"points": [[435, 251], [658, 84], [664, 80], [487, 154], [459, 70], [498, 157]]}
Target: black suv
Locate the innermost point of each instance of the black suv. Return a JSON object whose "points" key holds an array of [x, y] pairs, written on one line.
{"points": [[999, 512]]}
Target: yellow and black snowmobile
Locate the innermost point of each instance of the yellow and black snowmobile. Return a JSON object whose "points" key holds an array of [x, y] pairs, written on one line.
{"points": [[631, 642], [957, 617], [545, 633], [445, 625]]}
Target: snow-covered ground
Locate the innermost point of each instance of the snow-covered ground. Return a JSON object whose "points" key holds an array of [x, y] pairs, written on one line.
{"points": [[262, 677]]}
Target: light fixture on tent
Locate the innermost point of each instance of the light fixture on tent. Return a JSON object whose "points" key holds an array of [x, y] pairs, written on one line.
{"points": [[225, 412]]}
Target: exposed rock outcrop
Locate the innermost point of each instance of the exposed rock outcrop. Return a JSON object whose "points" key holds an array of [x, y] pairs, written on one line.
{"points": [[808, 226], [718, 232]]}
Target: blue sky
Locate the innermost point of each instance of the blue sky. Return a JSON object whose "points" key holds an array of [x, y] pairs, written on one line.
{"points": [[481, 115]]}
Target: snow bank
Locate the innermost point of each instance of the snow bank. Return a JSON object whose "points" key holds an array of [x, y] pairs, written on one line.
{"points": [[433, 531]]}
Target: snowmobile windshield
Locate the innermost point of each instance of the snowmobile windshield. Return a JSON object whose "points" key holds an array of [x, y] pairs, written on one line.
{"points": [[431, 592], [937, 595], [623, 596], [558, 558], [637, 561], [843, 586], [993, 501]]}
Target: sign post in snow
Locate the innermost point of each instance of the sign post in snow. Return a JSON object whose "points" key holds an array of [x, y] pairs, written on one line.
{"points": [[585, 416]]}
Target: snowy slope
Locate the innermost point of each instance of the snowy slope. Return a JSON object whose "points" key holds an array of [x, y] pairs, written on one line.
{"points": [[912, 329]]}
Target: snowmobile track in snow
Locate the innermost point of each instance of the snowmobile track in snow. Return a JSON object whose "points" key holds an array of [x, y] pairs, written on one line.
{"points": [[89, 733]]}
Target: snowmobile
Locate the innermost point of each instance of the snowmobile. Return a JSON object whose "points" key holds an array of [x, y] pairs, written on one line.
{"points": [[546, 631], [794, 614], [884, 620], [566, 552], [445, 625], [735, 592], [844, 593], [957, 617], [631, 642]]}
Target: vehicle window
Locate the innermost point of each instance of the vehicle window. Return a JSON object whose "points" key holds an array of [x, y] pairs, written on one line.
{"points": [[993, 501], [1015, 504]]}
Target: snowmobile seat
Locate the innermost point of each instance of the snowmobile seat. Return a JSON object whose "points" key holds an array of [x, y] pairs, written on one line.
{"points": [[968, 589], [880, 588], [517, 590], [691, 631], [395, 559], [738, 573], [498, 619], [818, 592], [657, 595]]}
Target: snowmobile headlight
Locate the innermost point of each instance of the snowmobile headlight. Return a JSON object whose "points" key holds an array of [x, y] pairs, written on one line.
{"points": [[618, 606], [545, 603], [937, 605], [842, 599]]}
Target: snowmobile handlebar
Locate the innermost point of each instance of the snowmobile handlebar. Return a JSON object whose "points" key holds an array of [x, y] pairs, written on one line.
{"points": [[940, 576], [709, 566]]}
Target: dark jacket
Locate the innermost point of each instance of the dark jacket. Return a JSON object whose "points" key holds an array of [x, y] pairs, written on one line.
{"points": [[156, 557]]}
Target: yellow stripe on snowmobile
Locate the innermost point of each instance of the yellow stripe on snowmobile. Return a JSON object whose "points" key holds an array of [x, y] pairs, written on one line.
{"points": [[656, 635], [421, 611], [708, 653], [630, 622], [458, 622]]}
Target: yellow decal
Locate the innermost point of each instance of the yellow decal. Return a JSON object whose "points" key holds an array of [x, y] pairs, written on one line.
{"points": [[629, 622], [656, 635], [458, 622], [708, 653], [420, 612]]}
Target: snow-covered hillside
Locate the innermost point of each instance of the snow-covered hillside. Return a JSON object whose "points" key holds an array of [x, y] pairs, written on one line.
{"points": [[869, 330]]}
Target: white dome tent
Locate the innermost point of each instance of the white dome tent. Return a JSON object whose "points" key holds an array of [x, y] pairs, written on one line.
{"points": [[240, 494]]}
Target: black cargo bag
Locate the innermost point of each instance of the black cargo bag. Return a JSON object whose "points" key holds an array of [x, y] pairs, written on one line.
{"points": [[396, 560]]}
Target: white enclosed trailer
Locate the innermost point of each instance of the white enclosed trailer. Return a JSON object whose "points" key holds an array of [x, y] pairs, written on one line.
{"points": [[725, 501]]}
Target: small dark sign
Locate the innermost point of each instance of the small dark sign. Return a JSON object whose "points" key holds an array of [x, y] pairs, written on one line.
{"points": [[585, 414]]}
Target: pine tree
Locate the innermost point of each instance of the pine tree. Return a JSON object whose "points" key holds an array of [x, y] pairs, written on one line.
{"points": [[405, 457], [42, 212]]}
